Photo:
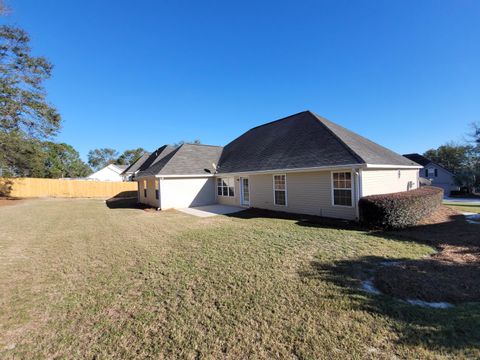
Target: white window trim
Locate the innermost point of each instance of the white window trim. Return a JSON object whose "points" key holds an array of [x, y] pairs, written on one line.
{"points": [[157, 189], [273, 191], [333, 188], [240, 188], [228, 186]]}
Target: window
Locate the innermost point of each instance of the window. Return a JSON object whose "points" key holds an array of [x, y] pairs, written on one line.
{"points": [[145, 188], [431, 172], [225, 187], [342, 188], [280, 190], [157, 189]]}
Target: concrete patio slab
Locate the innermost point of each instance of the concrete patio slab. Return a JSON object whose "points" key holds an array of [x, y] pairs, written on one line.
{"points": [[211, 210]]}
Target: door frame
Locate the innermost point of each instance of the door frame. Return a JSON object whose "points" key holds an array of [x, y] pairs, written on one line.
{"points": [[242, 200]]}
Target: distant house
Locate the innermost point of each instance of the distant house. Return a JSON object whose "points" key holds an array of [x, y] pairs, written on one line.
{"points": [[110, 172], [300, 164], [435, 173]]}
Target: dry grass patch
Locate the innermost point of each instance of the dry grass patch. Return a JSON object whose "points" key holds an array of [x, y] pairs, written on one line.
{"points": [[452, 274]]}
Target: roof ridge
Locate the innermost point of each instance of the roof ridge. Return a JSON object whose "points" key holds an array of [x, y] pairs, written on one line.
{"points": [[219, 146], [146, 153], [274, 121], [321, 119], [165, 160]]}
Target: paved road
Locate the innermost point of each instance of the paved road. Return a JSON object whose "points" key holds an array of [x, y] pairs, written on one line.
{"points": [[462, 200]]}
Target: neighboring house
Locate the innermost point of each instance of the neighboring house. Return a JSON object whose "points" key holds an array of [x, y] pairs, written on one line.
{"points": [[435, 173], [108, 173], [300, 164]]}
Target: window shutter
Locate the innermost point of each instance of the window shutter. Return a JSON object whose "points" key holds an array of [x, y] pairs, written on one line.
{"points": [[436, 172]]}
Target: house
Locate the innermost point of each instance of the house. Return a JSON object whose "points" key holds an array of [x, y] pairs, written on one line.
{"points": [[301, 164], [110, 172], [435, 173]]}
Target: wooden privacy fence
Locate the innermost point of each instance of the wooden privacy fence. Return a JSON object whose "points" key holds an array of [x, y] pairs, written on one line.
{"points": [[32, 187]]}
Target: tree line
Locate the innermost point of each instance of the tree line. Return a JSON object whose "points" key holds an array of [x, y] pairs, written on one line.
{"points": [[99, 158], [29, 123], [461, 159]]}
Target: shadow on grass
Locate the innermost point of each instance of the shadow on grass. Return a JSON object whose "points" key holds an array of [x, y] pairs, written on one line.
{"points": [[452, 275], [436, 329], [125, 203], [301, 219]]}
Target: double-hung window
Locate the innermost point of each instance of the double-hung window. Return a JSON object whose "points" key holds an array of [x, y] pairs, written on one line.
{"points": [[157, 189], [342, 188], [280, 190], [225, 187]]}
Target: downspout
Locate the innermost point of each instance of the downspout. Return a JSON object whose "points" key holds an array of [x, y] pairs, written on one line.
{"points": [[358, 195], [159, 194], [138, 192]]}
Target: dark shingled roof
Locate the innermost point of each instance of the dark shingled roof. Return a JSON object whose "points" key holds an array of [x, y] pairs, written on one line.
{"points": [[303, 140], [156, 156], [419, 159], [188, 159], [136, 164]]}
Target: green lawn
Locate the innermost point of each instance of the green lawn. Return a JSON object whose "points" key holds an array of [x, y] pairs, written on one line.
{"points": [[80, 280], [463, 207]]}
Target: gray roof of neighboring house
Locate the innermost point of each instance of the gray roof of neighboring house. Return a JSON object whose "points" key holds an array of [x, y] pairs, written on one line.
{"points": [[187, 159], [136, 164], [422, 160], [419, 159], [303, 140], [121, 167]]}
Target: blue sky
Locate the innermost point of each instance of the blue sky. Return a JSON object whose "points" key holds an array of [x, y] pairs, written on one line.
{"points": [[405, 74]]}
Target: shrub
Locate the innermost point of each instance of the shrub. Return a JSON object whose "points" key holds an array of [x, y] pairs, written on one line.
{"points": [[6, 186], [399, 210]]}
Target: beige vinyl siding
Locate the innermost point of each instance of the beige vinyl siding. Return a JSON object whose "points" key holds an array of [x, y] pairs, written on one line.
{"points": [[307, 193], [376, 182], [150, 198], [228, 200], [177, 193]]}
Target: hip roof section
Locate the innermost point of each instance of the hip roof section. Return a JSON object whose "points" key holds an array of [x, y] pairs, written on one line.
{"points": [[303, 140], [187, 159]]}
